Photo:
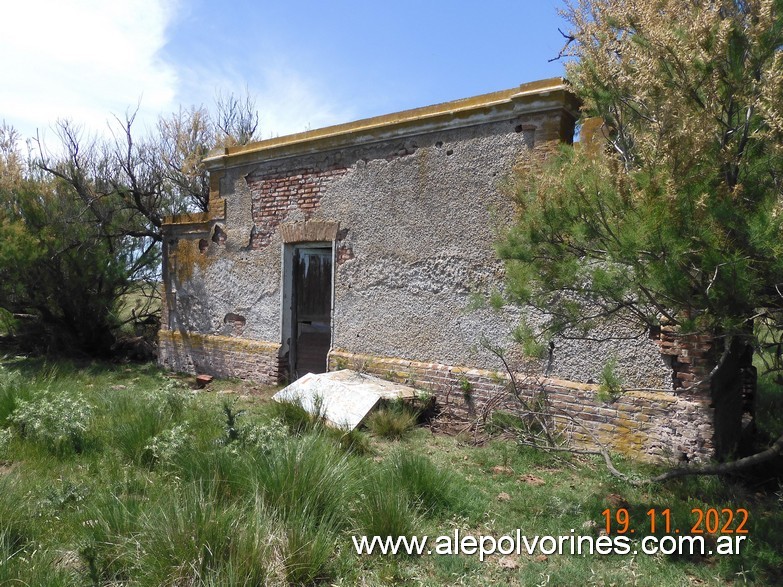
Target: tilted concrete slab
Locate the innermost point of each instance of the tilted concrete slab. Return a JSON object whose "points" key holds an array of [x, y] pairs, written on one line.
{"points": [[343, 398]]}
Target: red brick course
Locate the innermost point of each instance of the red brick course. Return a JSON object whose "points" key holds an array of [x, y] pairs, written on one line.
{"points": [[221, 356], [276, 196], [652, 425]]}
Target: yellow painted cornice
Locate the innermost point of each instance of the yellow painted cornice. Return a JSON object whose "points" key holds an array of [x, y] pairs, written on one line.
{"points": [[542, 95]]}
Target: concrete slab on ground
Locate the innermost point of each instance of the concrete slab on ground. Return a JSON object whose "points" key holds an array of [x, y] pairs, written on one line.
{"points": [[344, 397]]}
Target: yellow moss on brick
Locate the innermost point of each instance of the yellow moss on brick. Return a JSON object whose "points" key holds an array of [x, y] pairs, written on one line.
{"points": [[627, 438], [548, 93], [217, 211], [653, 396], [389, 363], [188, 218], [214, 185], [222, 343]]}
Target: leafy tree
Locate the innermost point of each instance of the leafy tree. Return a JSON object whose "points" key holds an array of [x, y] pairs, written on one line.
{"points": [[673, 212], [57, 266], [81, 225]]}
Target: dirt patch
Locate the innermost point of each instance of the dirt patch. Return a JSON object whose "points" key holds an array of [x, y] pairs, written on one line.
{"points": [[531, 480], [7, 467], [502, 470]]}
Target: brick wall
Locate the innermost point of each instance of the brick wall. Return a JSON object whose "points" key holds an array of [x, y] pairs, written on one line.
{"points": [[656, 426], [690, 355], [221, 356], [275, 196]]}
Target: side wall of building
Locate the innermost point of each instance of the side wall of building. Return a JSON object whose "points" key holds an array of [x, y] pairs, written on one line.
{"points": [[413, 218]]}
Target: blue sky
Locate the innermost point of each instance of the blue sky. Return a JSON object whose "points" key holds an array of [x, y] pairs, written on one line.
{"points": [[308, 63]]}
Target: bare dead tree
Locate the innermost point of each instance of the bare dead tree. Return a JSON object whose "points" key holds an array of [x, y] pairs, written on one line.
{"points": [[236, 118]]}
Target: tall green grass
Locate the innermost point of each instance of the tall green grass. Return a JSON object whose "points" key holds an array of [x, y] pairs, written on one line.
{"points": [[385, 510], [431, 489], [166, 494], [306, 476], [295, 417], [393, 421], [195, 538]]}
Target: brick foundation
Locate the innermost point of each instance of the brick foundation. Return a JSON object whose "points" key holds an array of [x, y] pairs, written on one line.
{"points": [[222, 356], [655, 426]]}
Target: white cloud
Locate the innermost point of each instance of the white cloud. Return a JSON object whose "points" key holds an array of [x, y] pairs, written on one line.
{"points": [[88, 60], [288, 101], [291, 103], [84, 60]]}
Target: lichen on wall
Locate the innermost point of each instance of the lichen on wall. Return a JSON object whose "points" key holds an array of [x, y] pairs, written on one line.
{"points": [[187, 255]]}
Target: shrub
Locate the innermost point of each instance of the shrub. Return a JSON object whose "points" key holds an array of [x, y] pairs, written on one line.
{"points": [[12, 391], [166, 445], [262, 437], [58, 422]]}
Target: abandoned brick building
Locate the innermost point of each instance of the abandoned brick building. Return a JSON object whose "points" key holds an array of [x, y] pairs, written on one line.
{"points": [[366, 244]]}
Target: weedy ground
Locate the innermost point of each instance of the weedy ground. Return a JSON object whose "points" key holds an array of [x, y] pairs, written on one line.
{"points": [[124, 475]]}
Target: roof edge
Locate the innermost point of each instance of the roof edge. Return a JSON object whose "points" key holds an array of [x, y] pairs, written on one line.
{"points": [[229, 156]]}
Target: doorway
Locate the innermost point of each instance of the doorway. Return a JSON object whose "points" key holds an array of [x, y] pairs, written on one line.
{"points": [[310, 331]]}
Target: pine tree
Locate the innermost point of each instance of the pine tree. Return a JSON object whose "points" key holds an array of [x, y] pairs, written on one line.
{"points": [[674, 211]]}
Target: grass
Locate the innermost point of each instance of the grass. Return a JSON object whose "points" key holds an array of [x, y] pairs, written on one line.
{"points": [[295, 417], [172, 487], [433, 490], [393, 421]]}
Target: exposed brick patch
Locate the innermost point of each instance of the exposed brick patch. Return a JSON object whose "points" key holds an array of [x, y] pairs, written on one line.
{"points": [[275, 196], [222, 356], [219, 235], [343, 253], [237, 323], [691, 355], [656, 426], [343, 247]]}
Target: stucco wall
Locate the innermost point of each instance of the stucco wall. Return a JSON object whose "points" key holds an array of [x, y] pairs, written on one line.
{"points": [[418, 219], [416, 210]]}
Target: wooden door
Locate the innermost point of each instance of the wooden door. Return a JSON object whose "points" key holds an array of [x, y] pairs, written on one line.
{"points": [[312, 310]]}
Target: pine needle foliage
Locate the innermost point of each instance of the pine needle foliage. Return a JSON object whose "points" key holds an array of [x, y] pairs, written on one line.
{"points": [[674, 209]]}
